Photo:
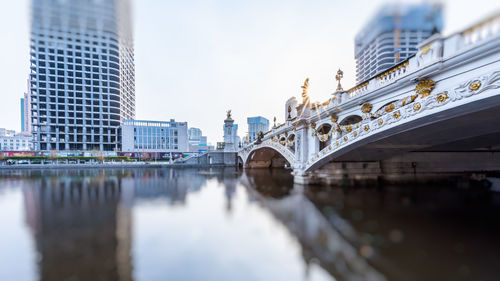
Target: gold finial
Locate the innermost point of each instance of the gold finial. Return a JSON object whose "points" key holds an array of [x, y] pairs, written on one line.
{"points": [[338, 77], [229, 114], [305, 97]]}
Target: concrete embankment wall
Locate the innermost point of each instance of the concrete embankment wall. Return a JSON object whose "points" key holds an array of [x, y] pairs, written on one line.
{"points": [[215, 158], [210, 159]]}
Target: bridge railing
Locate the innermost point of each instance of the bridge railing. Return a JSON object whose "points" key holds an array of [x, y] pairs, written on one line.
{"points": [[481, 31], [429, 52]]}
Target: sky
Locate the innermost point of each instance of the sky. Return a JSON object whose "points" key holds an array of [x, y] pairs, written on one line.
{"points": [[196, 59]]}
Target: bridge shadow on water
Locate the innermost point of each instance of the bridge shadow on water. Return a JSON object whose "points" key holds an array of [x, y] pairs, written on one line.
{"points": [[413, 232]]}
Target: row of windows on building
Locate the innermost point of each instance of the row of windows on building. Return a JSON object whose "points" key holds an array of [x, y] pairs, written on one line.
{"points": [[9, 143]]}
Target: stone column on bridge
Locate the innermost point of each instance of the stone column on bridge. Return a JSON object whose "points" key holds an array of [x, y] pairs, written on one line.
{"points": [[301, 147]]}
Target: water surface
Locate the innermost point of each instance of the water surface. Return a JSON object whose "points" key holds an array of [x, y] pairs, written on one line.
{"points": [[222, 224]]}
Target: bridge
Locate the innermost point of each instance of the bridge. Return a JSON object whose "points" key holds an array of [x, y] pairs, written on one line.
{"points": [[436, 113]]}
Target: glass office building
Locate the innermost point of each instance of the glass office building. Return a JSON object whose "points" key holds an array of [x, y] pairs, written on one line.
{"points": [[154, 136], [255, 125], [82, 77]]}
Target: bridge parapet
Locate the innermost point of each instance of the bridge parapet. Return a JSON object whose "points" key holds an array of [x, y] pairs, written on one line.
{"points": [[433, 50]]}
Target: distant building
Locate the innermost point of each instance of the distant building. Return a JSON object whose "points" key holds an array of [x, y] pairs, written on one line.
{"points": [[22, 115], [392, 35], [237, 139], [5, 132], [255, 125], [194, 135], [203, 140], [197, 142], [26, 112], [10, 140], [154, 136]]}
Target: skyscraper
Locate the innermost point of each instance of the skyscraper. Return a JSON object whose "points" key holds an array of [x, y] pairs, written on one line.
{"points": [[26, 112], [22, 115], [82, 76], [255, 125], [392, 36]]}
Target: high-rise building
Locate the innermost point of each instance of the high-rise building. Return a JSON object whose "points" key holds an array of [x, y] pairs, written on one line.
{"points": [[82, 73], [26, 112], [197, 142], [195, 135], [392, 36], [237, 139], [255, 125], [22, 115]]}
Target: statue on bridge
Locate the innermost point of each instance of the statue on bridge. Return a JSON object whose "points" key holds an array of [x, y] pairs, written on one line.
{"points": [[338, 77], [305, 96]]}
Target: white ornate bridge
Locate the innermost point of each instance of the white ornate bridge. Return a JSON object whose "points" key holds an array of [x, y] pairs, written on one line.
{"points": [[438, 111]]}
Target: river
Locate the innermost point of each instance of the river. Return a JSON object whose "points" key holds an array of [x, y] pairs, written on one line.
{"points": [[225, 224]]}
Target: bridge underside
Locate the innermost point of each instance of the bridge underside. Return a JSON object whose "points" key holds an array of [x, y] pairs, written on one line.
{"points": [[265, 158], [461, 143]]}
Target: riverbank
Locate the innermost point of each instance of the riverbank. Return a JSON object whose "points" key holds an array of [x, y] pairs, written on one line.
{"points": [[205, 160], [109, 166]]}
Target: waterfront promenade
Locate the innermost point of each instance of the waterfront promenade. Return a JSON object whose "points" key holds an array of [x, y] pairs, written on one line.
{"points": [[207, 159]]}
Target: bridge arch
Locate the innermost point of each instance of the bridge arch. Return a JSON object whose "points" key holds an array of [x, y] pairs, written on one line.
{"points": [[323, 133], [241, 163], [290, 142], [265, 155]]}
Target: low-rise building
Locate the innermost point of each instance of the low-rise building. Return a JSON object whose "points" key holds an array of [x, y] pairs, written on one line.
{"points": [[10, 140], [154, 136]]}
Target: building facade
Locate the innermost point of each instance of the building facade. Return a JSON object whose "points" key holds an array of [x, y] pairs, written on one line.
{"points": [[197, 142], [12, 141], [82, 83], [195, 135], [237, 139], [22, 115], [154, 136], [255, 125], [392, 36], [26, 112]]}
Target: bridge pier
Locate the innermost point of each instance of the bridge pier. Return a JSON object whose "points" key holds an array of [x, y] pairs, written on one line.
{"points": [[342, 174], [410, 168]]}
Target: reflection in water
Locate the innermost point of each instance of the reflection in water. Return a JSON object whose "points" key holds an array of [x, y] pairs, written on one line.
{"points": [[80, 226], [221, 224], [319, 240]]}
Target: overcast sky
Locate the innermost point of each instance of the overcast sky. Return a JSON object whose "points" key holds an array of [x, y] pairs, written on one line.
{"points": [[195, 59]]}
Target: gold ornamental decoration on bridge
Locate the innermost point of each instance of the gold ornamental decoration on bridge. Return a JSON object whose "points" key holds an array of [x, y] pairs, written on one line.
{"points": [[425, 87], [475, 86], [366, 108]]}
